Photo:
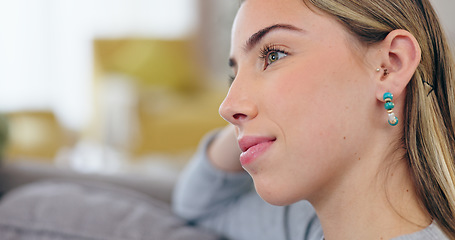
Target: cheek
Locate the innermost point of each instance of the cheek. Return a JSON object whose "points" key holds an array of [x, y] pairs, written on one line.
{"points": [[316, 114], [319, 88], [306, 97]]}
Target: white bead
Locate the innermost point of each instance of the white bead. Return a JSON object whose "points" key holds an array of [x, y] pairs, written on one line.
{"points": [[392, 117]]}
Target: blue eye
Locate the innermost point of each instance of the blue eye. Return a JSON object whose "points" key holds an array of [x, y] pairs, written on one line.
{"points": [[271, 54], [275, 56]]}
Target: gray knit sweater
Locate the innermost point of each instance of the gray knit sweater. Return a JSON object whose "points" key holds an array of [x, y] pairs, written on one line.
{"points": [[228, 204]]}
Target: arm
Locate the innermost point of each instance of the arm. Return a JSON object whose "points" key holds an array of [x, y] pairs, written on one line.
{"points": [[224, 151], [208, 183]]}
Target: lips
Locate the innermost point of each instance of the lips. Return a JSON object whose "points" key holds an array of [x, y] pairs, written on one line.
{"points": [[253, 147]]}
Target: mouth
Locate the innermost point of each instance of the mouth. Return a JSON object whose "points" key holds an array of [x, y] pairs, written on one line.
{"points": [[246, 143], [253, 147]]}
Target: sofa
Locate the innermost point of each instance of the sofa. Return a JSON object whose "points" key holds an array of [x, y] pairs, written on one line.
{"points": [[42, 202]]}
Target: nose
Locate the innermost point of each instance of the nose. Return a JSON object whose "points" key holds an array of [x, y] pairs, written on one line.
{"points": [[239, 107]]}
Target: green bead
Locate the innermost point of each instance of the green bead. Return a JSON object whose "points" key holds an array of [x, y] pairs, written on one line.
{"points": [[387, 95], [393, 123], [389, 105]]}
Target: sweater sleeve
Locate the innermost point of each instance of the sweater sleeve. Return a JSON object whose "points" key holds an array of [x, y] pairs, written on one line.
{"points": [[203, 189], [228, 204]]}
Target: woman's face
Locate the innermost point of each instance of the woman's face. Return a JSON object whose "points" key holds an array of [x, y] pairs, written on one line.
{"points": [[301, 99]]}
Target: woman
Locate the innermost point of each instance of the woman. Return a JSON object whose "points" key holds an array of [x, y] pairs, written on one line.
{"points": [[347, 105]]}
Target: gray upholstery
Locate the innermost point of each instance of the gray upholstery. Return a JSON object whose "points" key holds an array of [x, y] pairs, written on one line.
{"points": [[70, 210], [15, 174]]}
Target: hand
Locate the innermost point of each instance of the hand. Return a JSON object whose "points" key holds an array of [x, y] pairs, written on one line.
{"points": [[224, 152]]}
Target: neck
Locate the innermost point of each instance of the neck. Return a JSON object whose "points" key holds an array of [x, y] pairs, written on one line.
{"points": [[379, 206]]}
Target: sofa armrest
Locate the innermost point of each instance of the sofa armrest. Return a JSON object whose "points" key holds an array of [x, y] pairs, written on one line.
{"points": [[13, 175], [66, 210]]}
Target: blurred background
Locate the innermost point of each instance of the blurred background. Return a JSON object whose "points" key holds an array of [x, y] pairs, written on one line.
{"points": [[106, 85], [112, 86]]}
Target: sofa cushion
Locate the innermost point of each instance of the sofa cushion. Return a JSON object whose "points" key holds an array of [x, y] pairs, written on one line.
{"points": [[89, 211]]}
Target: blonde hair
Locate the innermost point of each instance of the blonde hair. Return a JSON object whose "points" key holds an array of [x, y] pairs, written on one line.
{"points": [[430, 102]]}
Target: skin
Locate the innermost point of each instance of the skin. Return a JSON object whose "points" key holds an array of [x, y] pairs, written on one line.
{"points": [[322, 102], [307, 106]]}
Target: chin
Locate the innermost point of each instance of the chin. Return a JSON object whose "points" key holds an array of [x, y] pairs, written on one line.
{"points": [[276, 195]]}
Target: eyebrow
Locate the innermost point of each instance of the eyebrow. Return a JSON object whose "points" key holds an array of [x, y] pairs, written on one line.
{"points": [[259, 35]]}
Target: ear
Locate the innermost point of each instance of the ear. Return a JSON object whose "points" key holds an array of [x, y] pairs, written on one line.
{"points": [[400, 55]]}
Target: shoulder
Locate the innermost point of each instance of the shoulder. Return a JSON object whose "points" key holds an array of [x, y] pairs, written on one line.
{"points": [[432, 232]]}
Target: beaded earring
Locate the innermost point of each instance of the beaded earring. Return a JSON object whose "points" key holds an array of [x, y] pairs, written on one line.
{"points": [[389, 105]]}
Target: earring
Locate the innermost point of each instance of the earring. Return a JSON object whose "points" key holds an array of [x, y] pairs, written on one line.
{"points": [[386, 71], [389, 105]]}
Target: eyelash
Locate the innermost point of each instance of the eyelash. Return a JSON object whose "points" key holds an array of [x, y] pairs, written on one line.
{"points": [[267, 50], [264, 53], [231, 79]]}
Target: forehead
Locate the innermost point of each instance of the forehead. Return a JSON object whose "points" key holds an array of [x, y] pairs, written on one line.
{"points": [[255, 15]]}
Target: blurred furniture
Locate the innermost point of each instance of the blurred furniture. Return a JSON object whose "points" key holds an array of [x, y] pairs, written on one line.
{"points": [[43, 202], [173, 101], [165, 109], [35, 135], [40, 201]]}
